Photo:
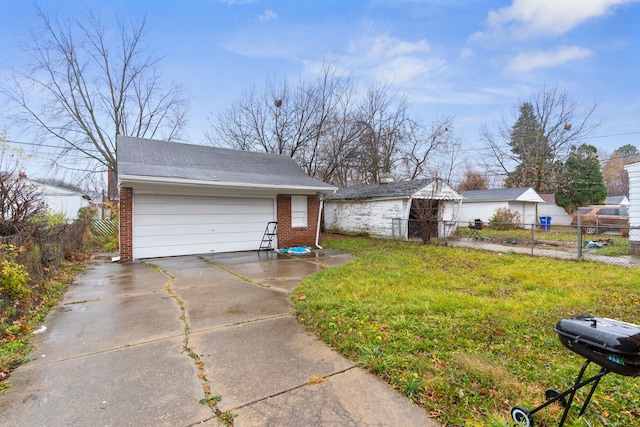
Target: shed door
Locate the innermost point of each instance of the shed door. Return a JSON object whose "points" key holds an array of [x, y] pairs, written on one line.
{"points": [[168, 225]]}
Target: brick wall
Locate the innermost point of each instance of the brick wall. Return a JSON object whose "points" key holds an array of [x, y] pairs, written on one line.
{"points": [[296, 236], [126, 224]]}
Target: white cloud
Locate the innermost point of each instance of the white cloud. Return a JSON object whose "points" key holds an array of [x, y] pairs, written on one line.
{"points": [[392, 59], [466, 53], [390, 47], [268, 15], [406, 69], [543, 59], [530, 18]]}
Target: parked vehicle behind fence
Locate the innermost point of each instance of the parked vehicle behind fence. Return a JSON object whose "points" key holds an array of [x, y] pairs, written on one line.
{"points": [[602, 218]]}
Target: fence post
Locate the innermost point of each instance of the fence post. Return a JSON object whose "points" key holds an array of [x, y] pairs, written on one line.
{"points": [[533, 240], [579, 237]]}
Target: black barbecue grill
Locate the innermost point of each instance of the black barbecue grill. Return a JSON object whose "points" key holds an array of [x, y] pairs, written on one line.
{"points": [[611, 344]]}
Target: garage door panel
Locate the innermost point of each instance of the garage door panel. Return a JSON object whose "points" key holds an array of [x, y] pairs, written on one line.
{"points": [[179, 209], [200, 239], [194, 229], [180, 225], [202, 220], [176, 250]]}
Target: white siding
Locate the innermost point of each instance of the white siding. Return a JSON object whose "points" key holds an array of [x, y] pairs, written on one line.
{"points": [[449, 213], [526, 210], [483, 210], [372, 217], [375, 217], [633, 170], [68, 204], [169, 225], [530, 196], [558, 215]]}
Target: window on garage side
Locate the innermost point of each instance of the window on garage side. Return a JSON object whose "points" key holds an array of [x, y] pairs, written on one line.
{"points": [[298, 211]]}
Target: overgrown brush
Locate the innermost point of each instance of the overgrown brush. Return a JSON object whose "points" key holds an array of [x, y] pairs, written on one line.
{"points": [[505, 219]]}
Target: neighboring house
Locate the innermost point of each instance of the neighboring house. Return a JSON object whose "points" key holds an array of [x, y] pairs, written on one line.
{"points": [[61, 199], [385, 210], [621, 201], [482, 204], [633, 169], [181, 199], [558, 215]]}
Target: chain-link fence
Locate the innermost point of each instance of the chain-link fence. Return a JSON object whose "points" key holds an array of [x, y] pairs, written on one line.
{"points": [[42, 250], [590, 242]]}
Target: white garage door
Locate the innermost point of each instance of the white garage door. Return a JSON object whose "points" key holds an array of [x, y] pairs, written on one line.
{"points": [[168, 225]]}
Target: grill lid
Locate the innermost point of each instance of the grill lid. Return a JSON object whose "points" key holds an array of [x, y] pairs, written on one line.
{"points": [[610, 335]]}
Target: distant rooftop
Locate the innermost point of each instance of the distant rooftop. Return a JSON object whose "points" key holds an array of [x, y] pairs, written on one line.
{"points": [[502, 194]]}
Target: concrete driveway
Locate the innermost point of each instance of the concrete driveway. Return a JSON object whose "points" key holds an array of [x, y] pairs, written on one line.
{"points": [[134, 345]]}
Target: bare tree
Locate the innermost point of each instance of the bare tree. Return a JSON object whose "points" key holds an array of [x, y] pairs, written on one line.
{"points": [[430, 150], [615, 177], [337, 152], [384, 120], [545, 127], [88, 83], [332, 136], [286, 119], [20, 201]]}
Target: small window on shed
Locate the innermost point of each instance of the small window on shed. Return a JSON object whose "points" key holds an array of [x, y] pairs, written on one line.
{"points": [[298, 211]]}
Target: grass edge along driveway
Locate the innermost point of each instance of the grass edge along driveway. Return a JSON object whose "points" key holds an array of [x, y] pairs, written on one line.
{"points": [[468, 334]]}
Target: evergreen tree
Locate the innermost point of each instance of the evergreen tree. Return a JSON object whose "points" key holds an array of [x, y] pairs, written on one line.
{"points": [[582, 182], [530, 149]]}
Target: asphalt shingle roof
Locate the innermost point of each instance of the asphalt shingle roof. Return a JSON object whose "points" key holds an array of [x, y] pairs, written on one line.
{"points": [[154, 158], [495, 194], [371, 191]]}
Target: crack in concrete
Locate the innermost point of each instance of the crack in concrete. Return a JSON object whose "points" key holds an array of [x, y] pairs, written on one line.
{"points": [[108, 350], [209, 399], [233, 273], [280, 393]]}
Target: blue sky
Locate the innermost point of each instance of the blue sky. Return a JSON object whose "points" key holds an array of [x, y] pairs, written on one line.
{"points": [[474, 60]]}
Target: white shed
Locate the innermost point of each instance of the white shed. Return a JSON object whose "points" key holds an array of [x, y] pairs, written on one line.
{"points": [[389, 210], [482, 204], [633, 169], [61, 199], [559, 216]]}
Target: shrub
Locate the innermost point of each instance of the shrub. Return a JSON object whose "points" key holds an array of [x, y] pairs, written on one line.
{"points": [[50, 219], [87, 213], [505, 219], [13, 276]]}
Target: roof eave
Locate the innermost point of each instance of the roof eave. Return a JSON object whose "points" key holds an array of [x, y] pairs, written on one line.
{"points": [[139, 179], [382, 198]]}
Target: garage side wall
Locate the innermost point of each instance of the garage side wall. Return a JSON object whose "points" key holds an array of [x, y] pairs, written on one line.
{"points": [[126, 224], [289, 236]]}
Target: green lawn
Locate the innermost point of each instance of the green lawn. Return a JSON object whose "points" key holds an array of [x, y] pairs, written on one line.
{"points": [[468, 334]]}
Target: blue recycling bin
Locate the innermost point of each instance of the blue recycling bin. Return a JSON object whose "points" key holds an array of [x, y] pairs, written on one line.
{"points": [[545, 222]]}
